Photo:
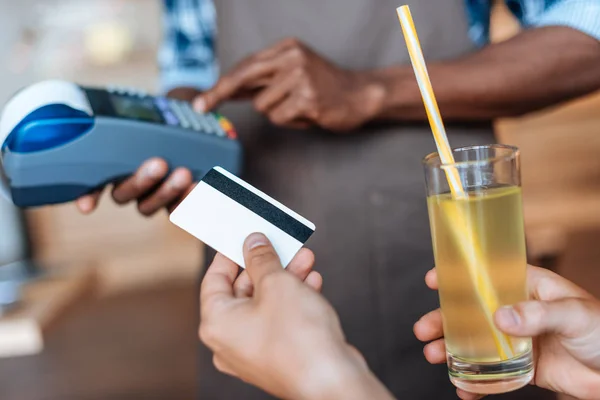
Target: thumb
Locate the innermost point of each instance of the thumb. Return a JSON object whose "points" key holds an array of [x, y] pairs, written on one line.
{"points": [[89, 202], [260, 258], [568, 317], [199, 104]]}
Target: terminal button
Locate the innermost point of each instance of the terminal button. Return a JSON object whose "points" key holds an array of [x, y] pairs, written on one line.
{"points": [[170, 118]]}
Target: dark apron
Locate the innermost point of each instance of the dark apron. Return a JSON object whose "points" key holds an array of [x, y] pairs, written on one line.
{"points": [[364, 191]]}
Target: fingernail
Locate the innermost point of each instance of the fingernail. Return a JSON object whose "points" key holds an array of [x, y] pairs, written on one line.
{"points": [[178, 181], [85, 205], [152, 170], [508, 317], [200, 104], [256, 240]]}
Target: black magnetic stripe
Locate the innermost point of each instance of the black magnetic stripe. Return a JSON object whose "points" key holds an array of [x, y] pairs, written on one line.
{"points": [[258, 205]]}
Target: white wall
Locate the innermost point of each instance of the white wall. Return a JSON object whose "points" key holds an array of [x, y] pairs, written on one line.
{"points": [[12, 19]]}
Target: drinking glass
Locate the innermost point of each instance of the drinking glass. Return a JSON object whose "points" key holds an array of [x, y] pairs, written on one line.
{"points": [[479, 248]]}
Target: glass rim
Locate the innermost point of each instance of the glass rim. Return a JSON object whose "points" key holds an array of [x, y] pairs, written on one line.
{"points": [[514, 151]]}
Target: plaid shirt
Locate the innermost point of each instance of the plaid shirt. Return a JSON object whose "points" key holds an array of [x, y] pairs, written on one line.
{"points": [[187, 56]]}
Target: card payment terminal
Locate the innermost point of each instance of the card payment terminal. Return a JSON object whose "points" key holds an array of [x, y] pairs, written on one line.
{"points": [[60, 140]]}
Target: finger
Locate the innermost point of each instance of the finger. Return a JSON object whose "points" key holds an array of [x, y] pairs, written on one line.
{"points": [[546, 285], [228, 87], [431, 279], [145, 179], [301, 267], [88, 203], [570, 317], [242, 287], [260, 258], [314, 280], [435, 352], [172, 190], [217, 285], [429, 327], [288, 112], [302, 264], [179, 199], [277, 91], [248, 74], [244, 76], [277, 48], [467, 395], [223, 366], [250, 92]]}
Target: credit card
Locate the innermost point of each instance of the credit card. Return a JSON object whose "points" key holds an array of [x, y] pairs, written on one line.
{"points": [[223, 210]]}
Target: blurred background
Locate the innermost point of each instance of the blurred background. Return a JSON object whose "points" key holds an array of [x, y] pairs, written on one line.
{"points": [[114, 314]]}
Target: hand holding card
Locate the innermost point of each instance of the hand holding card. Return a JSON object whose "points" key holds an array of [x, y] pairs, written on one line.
{"points": [[223, 210]]}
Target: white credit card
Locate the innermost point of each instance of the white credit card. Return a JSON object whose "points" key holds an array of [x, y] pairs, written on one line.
{"points": [[223, 210]]}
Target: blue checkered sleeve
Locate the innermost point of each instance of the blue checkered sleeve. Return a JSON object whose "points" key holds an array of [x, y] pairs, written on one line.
{"points": [[187, 54], [583, 15]]}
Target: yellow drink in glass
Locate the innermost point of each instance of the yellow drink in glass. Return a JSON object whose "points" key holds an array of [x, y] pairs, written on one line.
{"points": [[479, 249]]}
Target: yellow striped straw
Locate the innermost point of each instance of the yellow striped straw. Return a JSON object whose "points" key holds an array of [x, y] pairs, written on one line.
{"points": [[431, 106], [471, 251]]}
